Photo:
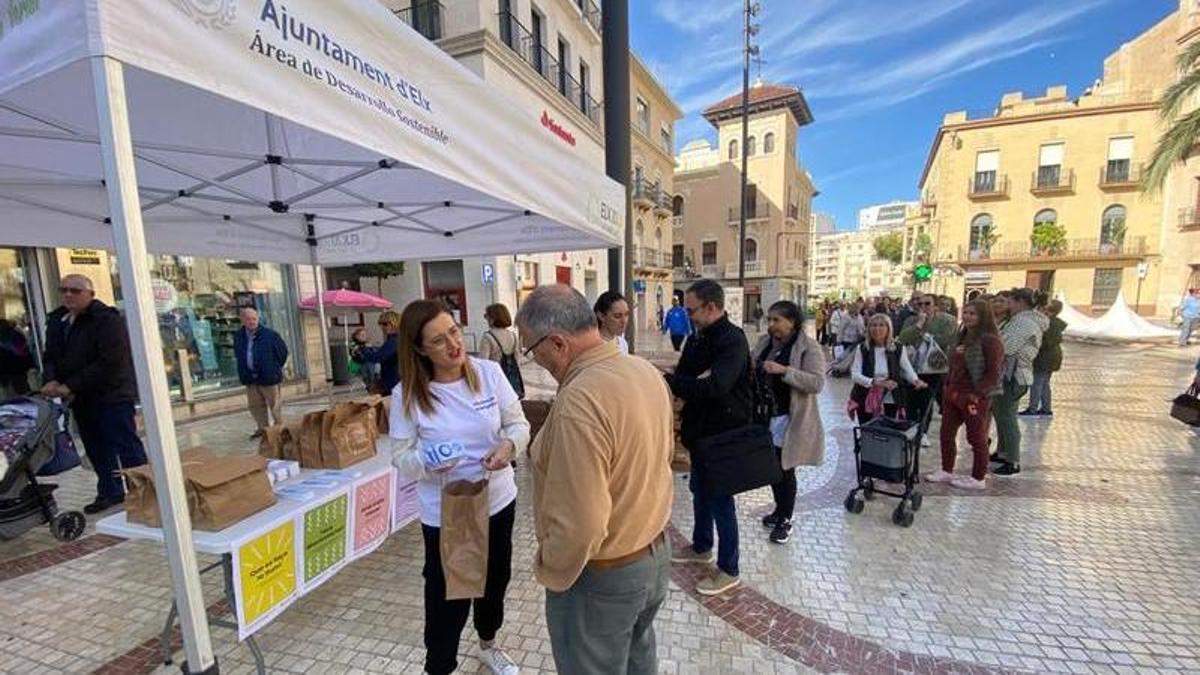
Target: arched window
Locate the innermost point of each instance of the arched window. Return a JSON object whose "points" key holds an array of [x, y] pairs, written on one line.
{"points": [[733, 150], [769, 143], [981, 229], [677, 205], [1112, 226], [751, 146], [658, 238], [1045, 216], [641, 229], [751, 250]]}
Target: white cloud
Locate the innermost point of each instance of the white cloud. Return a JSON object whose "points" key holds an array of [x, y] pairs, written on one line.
{"points": [[695, 16]]}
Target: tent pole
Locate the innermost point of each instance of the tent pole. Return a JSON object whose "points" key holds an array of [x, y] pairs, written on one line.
{"points": [[116, 145], [311, 231]]}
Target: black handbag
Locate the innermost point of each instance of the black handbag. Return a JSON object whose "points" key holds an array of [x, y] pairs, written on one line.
{"points": [[736, 461], [1186, 407]]}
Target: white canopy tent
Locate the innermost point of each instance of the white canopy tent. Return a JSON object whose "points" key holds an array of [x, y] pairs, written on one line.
{"points": [[1121, 324], [307, 132], [1078, 323]]}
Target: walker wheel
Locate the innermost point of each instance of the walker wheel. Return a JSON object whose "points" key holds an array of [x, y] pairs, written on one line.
{"points": [[854, 503], [903, 516], [67, 526], [916, 499]]}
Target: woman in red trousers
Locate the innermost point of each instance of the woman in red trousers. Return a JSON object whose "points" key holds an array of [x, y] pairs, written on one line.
{"points": [[974, 376]]}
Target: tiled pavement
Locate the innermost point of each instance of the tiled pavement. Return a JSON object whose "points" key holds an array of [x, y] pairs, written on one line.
{"points": [[1086, 562]]}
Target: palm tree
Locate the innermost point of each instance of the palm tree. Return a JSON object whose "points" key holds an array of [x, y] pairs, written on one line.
{"points": [[1184, 133]]}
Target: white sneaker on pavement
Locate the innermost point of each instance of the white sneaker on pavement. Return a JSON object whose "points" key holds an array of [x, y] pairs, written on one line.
{"points": [[939, 476], [968, 483], [498, 662], [925, 442]]}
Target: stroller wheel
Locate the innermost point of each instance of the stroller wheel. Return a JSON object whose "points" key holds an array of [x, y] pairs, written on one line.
{"points": [[854, 503], [916, 500], [902, 516], [67, 526]]}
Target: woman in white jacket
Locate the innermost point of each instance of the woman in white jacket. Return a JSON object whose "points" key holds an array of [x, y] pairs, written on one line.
{"points": [[456, 418]]}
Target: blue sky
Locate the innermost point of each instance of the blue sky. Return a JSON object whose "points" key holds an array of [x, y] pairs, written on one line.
{"points": [[879, 74]]}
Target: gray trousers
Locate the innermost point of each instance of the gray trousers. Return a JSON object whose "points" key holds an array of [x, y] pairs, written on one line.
{"points": [[1039, 392], [604, 624]]}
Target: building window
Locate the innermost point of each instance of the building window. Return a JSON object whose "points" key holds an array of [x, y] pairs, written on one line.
{"points": [[677, 205], [769, 143], [677, 255], [643, 115], [733, 150], [986, 165], [506, 24], [1120, 154], [537, 28], [584, 89], [1050, 159], [708, 253], [751, 249], [641, 230], [658, 239], [1105, 286], [1112, 226], [668, 144], [564, 60], [1045, 217], [751, 146], [981, 230]]}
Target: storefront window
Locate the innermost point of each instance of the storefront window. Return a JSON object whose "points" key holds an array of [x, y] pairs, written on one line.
{"points": [[17, 344], [198, 299]]}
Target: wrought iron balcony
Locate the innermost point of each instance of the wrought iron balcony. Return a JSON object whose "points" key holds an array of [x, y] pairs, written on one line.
{"points": [[1071, 250], [591, 13], [664, 206], [425, 16], [533, 52], [1189, 218], [645, 194], [988, 185], [1052, 180], [1120, 175], [677, 222], [651, 258]]}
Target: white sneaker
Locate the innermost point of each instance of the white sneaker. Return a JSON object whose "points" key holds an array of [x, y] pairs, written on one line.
{"points": [[498, 662], [939, 476], [968, 483], [925, 442]]}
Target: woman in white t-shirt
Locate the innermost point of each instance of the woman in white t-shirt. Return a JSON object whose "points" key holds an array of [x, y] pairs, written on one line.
{"points": [[612, 315], [447, 400]]}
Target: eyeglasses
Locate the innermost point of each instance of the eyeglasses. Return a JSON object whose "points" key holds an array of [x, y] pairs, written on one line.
{"points": [[66, 290], [926, 303], [529, 352], [442, 341]]}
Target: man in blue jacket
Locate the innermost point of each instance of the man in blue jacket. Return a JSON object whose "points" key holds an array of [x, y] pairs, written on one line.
{"points": [[261, 355], [677, 324]]}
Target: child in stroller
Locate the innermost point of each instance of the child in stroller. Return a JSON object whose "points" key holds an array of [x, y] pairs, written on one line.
{"points": [[34, 441]]}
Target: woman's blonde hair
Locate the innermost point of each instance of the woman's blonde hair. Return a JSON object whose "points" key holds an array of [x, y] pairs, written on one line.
{"points": [[885, 320], [389, 321], [416, 369]]}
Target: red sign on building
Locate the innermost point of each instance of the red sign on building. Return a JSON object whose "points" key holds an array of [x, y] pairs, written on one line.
{"points": [[556, 128]]}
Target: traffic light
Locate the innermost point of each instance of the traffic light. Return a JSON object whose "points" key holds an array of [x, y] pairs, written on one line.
{"points": [[922, 272]]}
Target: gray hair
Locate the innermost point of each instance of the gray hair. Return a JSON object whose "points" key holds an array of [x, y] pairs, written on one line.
{"points": [[246, 311], [84, 281], [556, 309]]}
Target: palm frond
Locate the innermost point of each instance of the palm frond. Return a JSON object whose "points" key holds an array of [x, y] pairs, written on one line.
{"points": [[1173, 146], [1178, 94], [1188, 58]]}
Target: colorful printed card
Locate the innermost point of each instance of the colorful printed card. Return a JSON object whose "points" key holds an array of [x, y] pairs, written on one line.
{"points": [[325, 529], [265, 568], [372, 513], [404, 504]]}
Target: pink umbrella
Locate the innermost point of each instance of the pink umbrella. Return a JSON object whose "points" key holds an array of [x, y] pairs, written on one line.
{"points": [[346, 300]]}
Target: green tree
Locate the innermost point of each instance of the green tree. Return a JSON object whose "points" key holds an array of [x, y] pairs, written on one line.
{"points": [[923, 247], [1049, 238], [1183, 133], [890, 247], [379, 272]]}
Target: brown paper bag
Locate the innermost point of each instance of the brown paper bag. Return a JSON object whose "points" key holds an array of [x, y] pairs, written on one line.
{"points": [[309, 446], [271, 445], [348, 434], [382, 410], [291, 440], [220, 491], [464, 538]]}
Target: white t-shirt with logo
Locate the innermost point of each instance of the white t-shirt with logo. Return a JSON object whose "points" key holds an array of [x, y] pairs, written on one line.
{"points": [[460, 418]]}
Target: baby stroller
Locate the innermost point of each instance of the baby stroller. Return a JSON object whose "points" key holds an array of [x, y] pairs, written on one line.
{"points": [[889, 450], [35, 442]]}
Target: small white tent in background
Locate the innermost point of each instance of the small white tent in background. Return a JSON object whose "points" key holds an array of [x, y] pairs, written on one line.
{"points": [[1121, 323], [1078, 323]]}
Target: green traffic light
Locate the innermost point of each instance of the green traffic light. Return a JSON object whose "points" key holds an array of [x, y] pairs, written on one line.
{"points": [[922, 272]]}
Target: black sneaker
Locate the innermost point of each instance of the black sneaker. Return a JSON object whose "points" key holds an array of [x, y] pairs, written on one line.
{"points": [[770, 521], [781, 532], [1028, 412], [1007, 469], [995, 457], [1047, 413], [103, 504]]}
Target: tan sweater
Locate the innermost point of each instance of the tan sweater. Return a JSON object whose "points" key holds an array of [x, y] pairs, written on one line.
{"points": [[601, 465]]}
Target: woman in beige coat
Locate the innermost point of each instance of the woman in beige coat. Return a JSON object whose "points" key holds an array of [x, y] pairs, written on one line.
{"points": [[790, 367]]}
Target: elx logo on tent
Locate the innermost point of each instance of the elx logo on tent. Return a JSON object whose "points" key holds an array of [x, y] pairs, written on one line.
{"points": [[215, 14]]}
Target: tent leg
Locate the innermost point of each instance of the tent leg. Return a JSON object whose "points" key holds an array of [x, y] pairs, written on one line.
{"points": [[320, 286], [116, 145]]}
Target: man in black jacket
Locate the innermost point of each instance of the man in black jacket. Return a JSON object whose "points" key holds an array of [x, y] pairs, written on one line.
{"points": [[89, 363], [714, 380]]}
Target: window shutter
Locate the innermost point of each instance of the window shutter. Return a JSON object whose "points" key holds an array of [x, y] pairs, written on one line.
{"points": [[1051, 155], [987, 161], [1120, 148]]}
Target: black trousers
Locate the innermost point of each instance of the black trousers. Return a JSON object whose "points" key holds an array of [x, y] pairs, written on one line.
{"points": [[445, 619], [785, 490], [677, 341]]}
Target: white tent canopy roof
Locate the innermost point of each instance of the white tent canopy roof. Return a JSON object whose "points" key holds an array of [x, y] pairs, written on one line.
{"points": [[253, 119], [1119, 323]]}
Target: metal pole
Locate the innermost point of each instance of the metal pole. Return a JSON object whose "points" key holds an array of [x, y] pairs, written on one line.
{"points": [[129, 239], [617, 153], [319, 283], [741, 247]]}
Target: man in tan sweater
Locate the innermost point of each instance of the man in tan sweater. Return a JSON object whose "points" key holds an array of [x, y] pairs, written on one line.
{"points": [[601, 490]]}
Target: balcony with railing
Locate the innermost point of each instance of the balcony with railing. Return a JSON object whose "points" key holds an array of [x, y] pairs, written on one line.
{"points": [[534, 53], [677, 222], [710, 271], [1071, 250], [754, 268], [1189, 218], [1052, 180], [645, 194], [756, 212], [1119, 175], [425, 16], [651, 258], [988, 185], [663, 207]]}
